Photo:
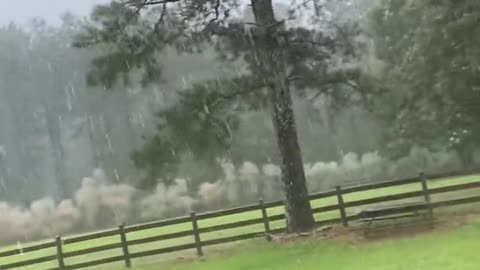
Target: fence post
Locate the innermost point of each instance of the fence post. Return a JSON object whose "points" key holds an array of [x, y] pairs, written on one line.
{"points": [[266, 220], [196, 234], [60, 260], [426, 195], [126, 252], [341, 206]]}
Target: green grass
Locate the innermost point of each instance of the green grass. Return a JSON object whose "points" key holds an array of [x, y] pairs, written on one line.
{"points": [[452, 250], [223, 220]]}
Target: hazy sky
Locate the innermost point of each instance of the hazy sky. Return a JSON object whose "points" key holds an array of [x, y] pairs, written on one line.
{"points": [[21, 11]]}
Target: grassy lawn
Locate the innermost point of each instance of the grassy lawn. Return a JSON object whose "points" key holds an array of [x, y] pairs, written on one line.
{"points": [[452, 250], [326, 253]]}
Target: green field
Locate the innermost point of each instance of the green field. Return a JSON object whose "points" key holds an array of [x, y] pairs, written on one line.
{"points": [[452, 250], [232, 218]]}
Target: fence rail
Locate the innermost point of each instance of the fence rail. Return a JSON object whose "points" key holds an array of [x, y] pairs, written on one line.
{"points": [[123, 232]]}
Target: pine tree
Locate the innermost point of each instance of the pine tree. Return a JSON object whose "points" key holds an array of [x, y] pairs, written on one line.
{"points": [[280, 59]]}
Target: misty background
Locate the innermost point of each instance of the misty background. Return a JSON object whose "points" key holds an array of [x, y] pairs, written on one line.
{"points": [[66, 148], [21, 12]]}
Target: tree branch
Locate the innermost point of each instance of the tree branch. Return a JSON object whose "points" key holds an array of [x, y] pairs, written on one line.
{"points": [[313, 43], [217, 12], [156, 27], [159, 2]]}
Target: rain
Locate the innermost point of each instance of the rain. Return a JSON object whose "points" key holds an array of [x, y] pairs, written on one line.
{"points": [[111, 116]]}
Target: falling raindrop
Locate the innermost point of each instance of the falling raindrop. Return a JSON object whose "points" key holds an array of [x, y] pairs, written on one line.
{"points": [[60, 121], [69, 99], [109, 142], [117, 176], [142, 120], [184, 82], [19, 247], [73, 91], [2, 184], [157, 96]]}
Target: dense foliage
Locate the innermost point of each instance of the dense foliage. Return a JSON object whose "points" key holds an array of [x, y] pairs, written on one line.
{"points": [[428, 52]]}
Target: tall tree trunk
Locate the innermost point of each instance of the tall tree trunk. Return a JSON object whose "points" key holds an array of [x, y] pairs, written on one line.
{"points": [[3, 174], [16, 135], [58, 153], [466, 153], [93, 144], [272, 63]]}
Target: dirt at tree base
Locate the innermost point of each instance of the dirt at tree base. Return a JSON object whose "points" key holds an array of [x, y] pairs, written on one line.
{"points": [[355, 233]]}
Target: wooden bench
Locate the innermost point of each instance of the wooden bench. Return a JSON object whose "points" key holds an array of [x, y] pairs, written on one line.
{"points": [[393, 212]]}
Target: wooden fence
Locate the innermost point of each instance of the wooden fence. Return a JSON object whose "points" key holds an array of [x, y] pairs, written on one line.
{"points": [[196, 231]]}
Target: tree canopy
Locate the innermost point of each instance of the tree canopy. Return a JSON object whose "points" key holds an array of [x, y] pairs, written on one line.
{"points": [[429, 57], [209, 109]]}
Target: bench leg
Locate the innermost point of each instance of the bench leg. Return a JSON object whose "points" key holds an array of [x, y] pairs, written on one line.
{"points": [[366, 232], [429, 220]]}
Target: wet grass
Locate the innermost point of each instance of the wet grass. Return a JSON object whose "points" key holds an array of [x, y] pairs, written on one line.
{"points": [[452, 250]]}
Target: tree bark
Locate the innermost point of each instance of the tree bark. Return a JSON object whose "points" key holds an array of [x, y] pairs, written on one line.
{"points": [[272, 65], [58, 153], [466, 154]]}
